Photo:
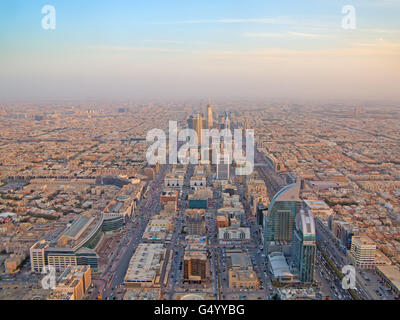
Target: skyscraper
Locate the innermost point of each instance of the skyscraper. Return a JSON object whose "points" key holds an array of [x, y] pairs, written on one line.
{"points": [[304, 246], [280, 220], [227, 124], [191, 121], [197, 123], [356, 113], [209, 116], [223, 166], [246, 125]]}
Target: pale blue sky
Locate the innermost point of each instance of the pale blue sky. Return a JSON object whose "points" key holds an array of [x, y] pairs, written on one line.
{"points": [[126, 49]]}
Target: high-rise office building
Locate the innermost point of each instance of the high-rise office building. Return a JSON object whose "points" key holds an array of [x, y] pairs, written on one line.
{"points": [[197, 123], [38, 256], [195, 221], [356, 113], [227, 124], [304, 246], [209, 116], [195, 266], [261, 209], [280, 220], [190, 121], [223, 166]]}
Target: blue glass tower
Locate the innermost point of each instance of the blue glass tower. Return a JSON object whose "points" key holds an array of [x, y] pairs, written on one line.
{"points": [[280, 220]]}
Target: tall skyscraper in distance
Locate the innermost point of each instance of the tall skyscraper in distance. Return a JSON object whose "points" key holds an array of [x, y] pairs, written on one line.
{"points": [[304, 246], [227, 121], [210, 121], [356, 113], [197, 123], [201, 123]]}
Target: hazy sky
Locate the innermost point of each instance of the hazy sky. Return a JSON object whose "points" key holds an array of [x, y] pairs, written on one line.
{"points": [[206, 48]]}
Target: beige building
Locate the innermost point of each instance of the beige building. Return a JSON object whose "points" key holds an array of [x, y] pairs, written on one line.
{"points": [[239, 279], [241, 273], [391, 276], [11, 263], [72, 284], [195, 221], [61, 262], [37, 255], [173, 180], [363, 252], [145, 266]]}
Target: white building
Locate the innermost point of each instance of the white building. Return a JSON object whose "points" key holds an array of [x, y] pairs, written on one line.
{"points": [[145, 266], [233, 234], [279, 267], [197, 182], [173, 180], [363, 252]]}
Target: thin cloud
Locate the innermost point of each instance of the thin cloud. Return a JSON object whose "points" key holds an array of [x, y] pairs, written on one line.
{"points": [[264, 35], [177, 42], [304, 35], [133, 49], [385, 31], [278, 20], [279, 35]]}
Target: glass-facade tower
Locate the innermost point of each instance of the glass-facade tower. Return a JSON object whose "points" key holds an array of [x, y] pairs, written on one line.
{"points": [[280, 220], [304, 246]]}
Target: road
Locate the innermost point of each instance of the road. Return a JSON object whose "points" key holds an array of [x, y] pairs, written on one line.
{"points": [[373, 289], [113, 277]]}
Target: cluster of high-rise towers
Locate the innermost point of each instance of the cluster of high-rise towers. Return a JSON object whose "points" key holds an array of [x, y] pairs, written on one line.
{"points": [[223, 159], [289, 228], [199, 122]]}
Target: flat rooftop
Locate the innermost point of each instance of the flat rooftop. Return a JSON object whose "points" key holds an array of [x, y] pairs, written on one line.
{"points": [[77, 227], [391, 273], [146, 263], [239, 260]]}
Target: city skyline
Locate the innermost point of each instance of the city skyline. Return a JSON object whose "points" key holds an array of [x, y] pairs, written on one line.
{"points": [[200, 150]]}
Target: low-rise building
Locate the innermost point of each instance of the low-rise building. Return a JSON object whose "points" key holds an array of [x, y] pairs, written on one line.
{"points": [[145, 266], [233, 234], [174, 181], [391, 276], [72, 284], [241, 273], [279, 268], [198, 181]]}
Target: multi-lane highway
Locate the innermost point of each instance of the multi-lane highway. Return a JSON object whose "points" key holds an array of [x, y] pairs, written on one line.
{"points": [[371, 289]]}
